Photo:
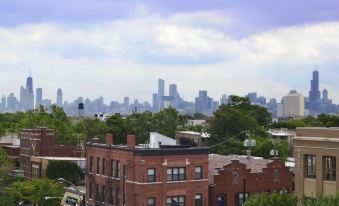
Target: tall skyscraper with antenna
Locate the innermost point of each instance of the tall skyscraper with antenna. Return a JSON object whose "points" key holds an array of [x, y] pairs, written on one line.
{"points": [[30, 93], [59, 98], [314, 94]]}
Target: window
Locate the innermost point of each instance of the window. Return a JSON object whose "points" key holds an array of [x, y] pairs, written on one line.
{"points": [[112, 168], [329, 168], [98, 165], [276, 177], [151, 201], [239, 199], [118, 197], [175, 201], [151, 175], [112, 196], [310, 166], [118, 169], [198, 200], [176, 174], [103, 166], [221, 200], [97, 196], [91, 188], [91, 164], [198, 173], [103, 198], [124, 170]]}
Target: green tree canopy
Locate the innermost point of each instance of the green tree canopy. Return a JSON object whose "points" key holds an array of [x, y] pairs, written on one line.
{"points": [[5, 166], [230, 122], [65, 169], [35, 192], [272, 200]]}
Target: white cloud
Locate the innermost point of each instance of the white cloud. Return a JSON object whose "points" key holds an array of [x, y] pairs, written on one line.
{"points": [[125, 57]]}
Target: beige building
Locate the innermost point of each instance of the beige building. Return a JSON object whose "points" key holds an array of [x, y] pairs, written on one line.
{"points": [[316, 153], [294, 104]]}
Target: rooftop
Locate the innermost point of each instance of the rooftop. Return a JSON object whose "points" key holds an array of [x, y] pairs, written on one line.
{"points": [[163, 150], [217, 162]]}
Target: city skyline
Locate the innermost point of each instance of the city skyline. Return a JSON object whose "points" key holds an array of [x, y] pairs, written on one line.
{"points": [[222, 47]]}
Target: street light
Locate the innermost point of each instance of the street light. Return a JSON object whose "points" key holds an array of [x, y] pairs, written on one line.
{"points": [[62, 180], [249, 143]]}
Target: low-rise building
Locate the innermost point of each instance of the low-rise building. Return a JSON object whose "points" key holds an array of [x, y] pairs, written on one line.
{"points": [[234, 178], [134, 176], [316, 153], [191, 138], [40, 143]]}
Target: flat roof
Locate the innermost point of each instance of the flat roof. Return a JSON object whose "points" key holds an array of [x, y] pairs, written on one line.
{"points": [[155, 151], [63, 158]]}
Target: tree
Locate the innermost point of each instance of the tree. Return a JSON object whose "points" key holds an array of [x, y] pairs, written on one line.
{"points": [[140, 124], [65, 169], [166, 122], [117, 125], [272, 200], [321, 201], [230, 122], [35, 192], [5, 166]]}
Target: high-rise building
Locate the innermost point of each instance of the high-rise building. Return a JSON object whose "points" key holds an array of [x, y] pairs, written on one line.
{"points": [[11, 103], [38, 100], [224, 99], [173, 91], [3, 104], [155, 103], [30, 93], [325, 95], [314, 94], [23, 98], [161, 92], [253, 96], [59, 97], [126, 102], [202, 102], [294, 105]]}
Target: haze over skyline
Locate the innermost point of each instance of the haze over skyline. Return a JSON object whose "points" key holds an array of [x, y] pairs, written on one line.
{"points": [[115, 49]]}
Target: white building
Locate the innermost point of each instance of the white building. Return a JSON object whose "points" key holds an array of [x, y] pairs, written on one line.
{"points": [[294, 105]]}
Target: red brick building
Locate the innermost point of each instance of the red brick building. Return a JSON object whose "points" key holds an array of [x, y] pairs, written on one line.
{"points": [[40, 143], [234, 177], [127, 175]]}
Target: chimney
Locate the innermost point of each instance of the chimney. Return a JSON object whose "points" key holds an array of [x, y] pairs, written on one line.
{"points": [[130, 141], [109, 138]]}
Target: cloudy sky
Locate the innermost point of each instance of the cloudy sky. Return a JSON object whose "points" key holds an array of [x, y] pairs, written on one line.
{"points": [[117, 48]]}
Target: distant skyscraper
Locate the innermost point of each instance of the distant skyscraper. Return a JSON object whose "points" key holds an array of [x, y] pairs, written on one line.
{"points": [[253, 97], [155, 103], [11, 103], [59, 98], [325, 95], [38, 100], [202, 102], [23, 98], [224, 99], [126, 102], [173, 91], [161, 92], [3, 104], [30, 94], [294, 105], [314, 94]]}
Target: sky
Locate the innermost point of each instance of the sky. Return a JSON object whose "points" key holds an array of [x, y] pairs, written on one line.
{"points": [[117, 48]]}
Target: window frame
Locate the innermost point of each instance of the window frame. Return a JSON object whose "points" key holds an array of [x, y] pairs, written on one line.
{"points": [[329, 168], [198, 175], [310, 166], [98, 165], [151, 178], [154, 201], [198, 199], [112, 172], [91, 164], [174, 174]]}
